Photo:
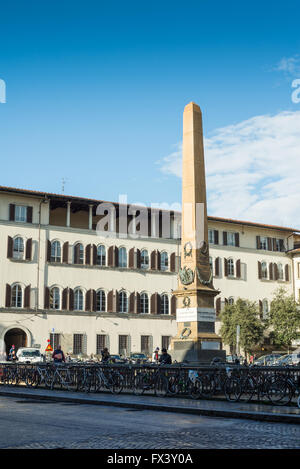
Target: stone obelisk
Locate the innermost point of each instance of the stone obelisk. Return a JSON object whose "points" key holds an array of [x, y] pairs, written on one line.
{"points": [[196, 340]]}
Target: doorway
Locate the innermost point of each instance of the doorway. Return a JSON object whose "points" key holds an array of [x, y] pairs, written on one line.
{"points": [[16, 337]]}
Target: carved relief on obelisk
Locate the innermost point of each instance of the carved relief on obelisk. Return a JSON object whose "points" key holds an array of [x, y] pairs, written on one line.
{"points": [[195, 313]]}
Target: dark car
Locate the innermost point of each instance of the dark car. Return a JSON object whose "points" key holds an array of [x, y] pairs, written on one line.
{"points": [[117, 359]]}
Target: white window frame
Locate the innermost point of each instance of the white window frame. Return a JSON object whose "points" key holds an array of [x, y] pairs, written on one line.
{"points": [[122, 262], [164, 304], [19, 295], [78, 300], [18, 253], [21, 213], [144, 301], [144, 259]]}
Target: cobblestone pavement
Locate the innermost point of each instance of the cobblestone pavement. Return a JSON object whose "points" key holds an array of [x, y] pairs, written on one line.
{"points": [[48, 425]]}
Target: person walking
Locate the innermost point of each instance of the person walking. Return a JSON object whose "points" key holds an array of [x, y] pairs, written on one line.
{"points": [[58, 355], [165, 358], [155, 355], [105, 355]]}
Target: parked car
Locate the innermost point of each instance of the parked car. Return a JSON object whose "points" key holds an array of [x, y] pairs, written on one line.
{"points": [[232, 358], [29, 355], [138, 358], [267, 360], [117, 359]]}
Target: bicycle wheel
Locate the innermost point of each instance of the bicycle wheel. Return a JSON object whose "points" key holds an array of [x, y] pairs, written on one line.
{"points": [[195, 389], [139, 384], [161, 386], [173, 385], [118, 382], [248, 389], [232, 389], [280, 392], [30, 378], [207, 386]]}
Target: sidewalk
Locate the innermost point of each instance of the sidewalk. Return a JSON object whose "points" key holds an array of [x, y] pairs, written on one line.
{"points": [[213, 408]]}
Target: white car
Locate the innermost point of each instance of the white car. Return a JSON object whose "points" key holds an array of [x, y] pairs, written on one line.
{"points": [[29, 355]]}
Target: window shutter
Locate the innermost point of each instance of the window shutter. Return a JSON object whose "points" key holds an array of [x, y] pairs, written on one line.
{"points": [[66, 252], [88, 254], [29, 214], [131, 302], [65, 299], [217, 266], [154, 303], [260, 306], [287, 276], [8, 296], [131, 258], [226, 301], [259, 269], [152, 260], [116, 256], [138, 259], [225, 238], [94, 300], [257, 242], [216, 237], [281, 245], [9, 247], [271, 271], [48, 250], [110, 256], [269, 240], [158, 260], [137, 303], [47, 298], [116, 306], [110, 301], [274, 244], [76, 253], [238, 268], [173, 305], [218, 306], [12, 212], [71, 299], [172, 262], [94, 254], [88, 300], [27, 297], [237, 240], [226, 267], [275, 269], [28, 249]]}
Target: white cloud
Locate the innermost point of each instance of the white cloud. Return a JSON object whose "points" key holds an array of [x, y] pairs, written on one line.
{"points": [[252, 169], [289, 65]]}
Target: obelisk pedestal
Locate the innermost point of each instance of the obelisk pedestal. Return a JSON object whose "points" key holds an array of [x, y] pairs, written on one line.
{"points": [[196, 340]]}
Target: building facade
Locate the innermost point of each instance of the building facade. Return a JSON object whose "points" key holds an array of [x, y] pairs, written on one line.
{"points": [[64, 279]]}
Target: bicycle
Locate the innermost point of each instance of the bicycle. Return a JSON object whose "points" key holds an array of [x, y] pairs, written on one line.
{"points": [[146, 380]]}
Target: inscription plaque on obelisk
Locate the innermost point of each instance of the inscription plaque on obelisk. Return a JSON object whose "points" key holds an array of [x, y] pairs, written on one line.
{"points": [[196, 340]]}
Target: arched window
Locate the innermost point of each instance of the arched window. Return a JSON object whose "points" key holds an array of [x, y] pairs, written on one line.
{"points": [[100, 299], [164, 261], [123, 302], [16, 296], [230, 266], [18, 248], [265, 309], [78, 253], [122, 257], [264, 270], [144, 259], [54, 298], [55, 252], [101, 255], [78, 300], [231, 300], [280, 272], [144, 303], [164, 304]]}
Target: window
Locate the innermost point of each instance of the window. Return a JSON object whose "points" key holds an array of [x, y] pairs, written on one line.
{"points": [[211, 236], [145, 344], [144, 303], [20, 213], [165, 341], [263, 243], [164, 304], [18, 248], [77, 344], [101, 343], [264, 270], [230, 239], [122, 257], [230, 267], [78, 300], [280, 272], [144, 259], [164, 261], [265, 309], [55, 252], [123, 302], [123, 345], [231, 300], [54, 340], [78, 253], [54, 298], [16, 296], [100, 301], [101, 255]]}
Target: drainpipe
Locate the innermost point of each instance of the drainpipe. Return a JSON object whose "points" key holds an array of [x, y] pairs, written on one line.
{"points": [[43, 201]]}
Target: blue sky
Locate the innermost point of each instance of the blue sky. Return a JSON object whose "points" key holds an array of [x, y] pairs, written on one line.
{"points": [[96, 91]]}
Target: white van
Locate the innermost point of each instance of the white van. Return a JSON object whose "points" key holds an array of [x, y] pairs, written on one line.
{"points": [[29, 355]]}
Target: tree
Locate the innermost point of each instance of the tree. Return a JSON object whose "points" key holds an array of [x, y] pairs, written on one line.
{"points": [[244, 313], [284, 317]]}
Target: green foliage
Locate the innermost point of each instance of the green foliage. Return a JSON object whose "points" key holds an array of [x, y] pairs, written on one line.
{"points": [[244, 313], [284, 317]]}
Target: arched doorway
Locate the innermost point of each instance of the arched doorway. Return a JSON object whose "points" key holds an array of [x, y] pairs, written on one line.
{"points": [[16, 337]]}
